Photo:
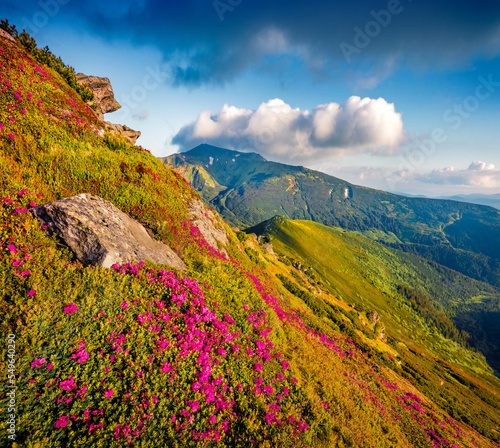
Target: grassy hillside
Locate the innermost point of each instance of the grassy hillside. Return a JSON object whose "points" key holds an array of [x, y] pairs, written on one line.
{"points": [[461, 236], [222, 354], [419, 302]]}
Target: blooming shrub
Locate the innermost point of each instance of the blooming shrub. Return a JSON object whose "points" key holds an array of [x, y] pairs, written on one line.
{"points": [[162, 368]]}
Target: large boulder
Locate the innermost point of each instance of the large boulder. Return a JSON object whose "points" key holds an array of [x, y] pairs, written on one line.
{"points": [[104, 98], [100, 234]]}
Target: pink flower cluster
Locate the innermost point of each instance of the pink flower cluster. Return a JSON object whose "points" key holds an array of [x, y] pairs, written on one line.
{"points": [[70, 308]]}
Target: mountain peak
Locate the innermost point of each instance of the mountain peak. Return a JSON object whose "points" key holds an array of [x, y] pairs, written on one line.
{"points": [[206, 150]]}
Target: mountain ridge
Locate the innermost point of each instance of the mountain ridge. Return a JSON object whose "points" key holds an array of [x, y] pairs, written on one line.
{"points": [[252, 192]]}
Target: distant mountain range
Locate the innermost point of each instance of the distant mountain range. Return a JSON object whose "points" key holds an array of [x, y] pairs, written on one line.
{"points": [[366, 273], [493, 200], [246, 189]]}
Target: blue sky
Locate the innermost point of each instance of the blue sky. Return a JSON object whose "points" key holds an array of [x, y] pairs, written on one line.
{"points": [[398, 95]]}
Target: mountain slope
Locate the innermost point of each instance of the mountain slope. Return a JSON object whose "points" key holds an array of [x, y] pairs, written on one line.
{"points": [[462, 236], [347, 260], [221, 354], [369, 276]]}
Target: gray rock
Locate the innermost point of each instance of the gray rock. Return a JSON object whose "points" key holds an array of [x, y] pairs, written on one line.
{"points": [[381, 334], [7, 36], [209, 224], [373, 316], [124, 130], [101, 235], [268, 247]]}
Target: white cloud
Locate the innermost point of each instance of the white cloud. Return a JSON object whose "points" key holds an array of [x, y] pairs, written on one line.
{"points": [[479, 177], [280, 132], [478, 174]]}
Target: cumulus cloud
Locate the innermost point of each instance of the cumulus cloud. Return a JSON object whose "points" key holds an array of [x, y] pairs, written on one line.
{"points": [[281, 132], [478, 174]]}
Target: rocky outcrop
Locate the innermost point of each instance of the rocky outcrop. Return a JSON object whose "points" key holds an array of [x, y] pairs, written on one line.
{"points": [[373, 317], [105, 102], [204, 219], [376, 323], [268, 247], [100, 234], [104, 98], [128, 133], [4, 34]]}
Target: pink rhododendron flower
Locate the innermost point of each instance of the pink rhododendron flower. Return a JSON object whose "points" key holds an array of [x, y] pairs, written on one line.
{"points": [[70, 308], [12, 248], [62, 422], [166, 367], [109, 393], [194, 406], [38, 363], [81, 392], [68, 384], [80, 356]]}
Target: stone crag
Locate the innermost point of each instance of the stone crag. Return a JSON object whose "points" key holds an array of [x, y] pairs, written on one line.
{"points": [[210, 225], [104, 98], [105, 102]]}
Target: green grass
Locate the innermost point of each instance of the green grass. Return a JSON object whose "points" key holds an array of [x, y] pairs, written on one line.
{"points": [[369, 275]]}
